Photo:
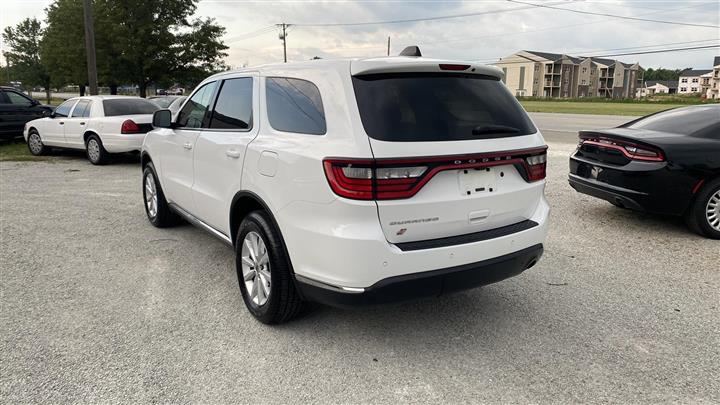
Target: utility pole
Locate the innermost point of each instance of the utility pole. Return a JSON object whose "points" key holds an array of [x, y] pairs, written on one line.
{"points": [[388, 54], [90, 47], [283, 36]]}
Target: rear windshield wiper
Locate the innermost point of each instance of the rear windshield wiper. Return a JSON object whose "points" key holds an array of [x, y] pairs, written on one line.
{"points": [[494, 129]]}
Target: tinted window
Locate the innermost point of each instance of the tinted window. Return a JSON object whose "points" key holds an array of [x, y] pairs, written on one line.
{"points": [[193, 114], [131, 106], [233, 108], [294, 105], [685, 121], [438, 107], [82, 109], [64, 109], [17, 98]]}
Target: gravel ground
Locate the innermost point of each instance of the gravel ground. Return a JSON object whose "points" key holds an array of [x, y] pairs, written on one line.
{"points": [[99, 306]]}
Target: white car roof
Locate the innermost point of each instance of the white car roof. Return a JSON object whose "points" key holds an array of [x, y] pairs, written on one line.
{"points": [[359, 66]]}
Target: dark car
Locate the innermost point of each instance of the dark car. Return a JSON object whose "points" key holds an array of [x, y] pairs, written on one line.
{"points": [[16, 109], [664, 163]]}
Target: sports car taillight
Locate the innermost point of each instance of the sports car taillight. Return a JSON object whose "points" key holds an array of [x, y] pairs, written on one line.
{"points": [[391, 179], [129, 127], [628, 149]]}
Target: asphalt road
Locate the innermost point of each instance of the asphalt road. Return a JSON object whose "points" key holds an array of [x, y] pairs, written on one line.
{"points": [[99, 306], [564, 127]]}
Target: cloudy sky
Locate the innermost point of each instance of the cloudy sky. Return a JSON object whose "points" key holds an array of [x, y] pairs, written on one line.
{"points": [[481, 30]]}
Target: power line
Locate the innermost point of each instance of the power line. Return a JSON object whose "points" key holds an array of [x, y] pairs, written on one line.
{"points": [[247, 35], [614, 15], [444, 17], [659, 51]]}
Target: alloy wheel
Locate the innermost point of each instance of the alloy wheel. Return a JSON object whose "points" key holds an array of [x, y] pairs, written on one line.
{"points": [[93, 150], [712, 211], [151, 197], [256, 268], [35, 143]]}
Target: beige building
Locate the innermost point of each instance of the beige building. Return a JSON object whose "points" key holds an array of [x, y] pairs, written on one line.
{"points": [[691, 81], [544, 74], [713, 86]]}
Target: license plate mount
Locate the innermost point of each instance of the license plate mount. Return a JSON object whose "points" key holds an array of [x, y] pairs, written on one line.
{"points": [[477, 181]]}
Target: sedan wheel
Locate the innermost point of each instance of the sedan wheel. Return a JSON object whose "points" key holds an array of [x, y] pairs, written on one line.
{"points": [[712, 211], [93, 150], [35, 144], [256, 268]]}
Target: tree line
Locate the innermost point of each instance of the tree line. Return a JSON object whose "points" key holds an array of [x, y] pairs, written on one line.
{"points": [[138, 42], [662, 74]]}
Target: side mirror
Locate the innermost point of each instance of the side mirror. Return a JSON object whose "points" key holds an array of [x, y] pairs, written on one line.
{"points": [[51, 114], [162, 119]]}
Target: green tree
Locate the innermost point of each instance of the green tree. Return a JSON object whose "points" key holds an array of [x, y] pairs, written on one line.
{"points": [[63, 47], [156, 41], [662, 74], [26, 63]]}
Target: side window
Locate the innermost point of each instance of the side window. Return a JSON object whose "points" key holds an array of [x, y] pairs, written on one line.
{"points": [[193, 114], [3, 98], [233, 108], [17, 98], [81, 108], [64, 109], [294, 105]]}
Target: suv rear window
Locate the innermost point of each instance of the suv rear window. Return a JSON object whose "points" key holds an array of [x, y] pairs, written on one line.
{"points": [[429, 107], [294, 105], [115, 107]]}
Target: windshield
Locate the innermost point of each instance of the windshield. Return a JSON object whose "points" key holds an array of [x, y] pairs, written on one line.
{"points": [[427, 107], [684, 121], [115, 107]]}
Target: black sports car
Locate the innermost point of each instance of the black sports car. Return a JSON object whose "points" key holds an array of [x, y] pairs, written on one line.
{"points": [[665, 163]]}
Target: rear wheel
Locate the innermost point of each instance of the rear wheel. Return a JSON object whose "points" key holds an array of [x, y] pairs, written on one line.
{"points": [[95, 151], [704, 215], [263, 270], [35, 144]]}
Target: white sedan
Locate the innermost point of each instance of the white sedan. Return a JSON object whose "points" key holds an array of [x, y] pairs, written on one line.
{"points": [[100, 125]]}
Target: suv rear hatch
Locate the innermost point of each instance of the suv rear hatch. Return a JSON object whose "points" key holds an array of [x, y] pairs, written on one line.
{"points": [[455, 153]]}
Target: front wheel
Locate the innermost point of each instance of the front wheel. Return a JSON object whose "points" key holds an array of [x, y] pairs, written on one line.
{"points": [[264, 273], [35, 144], [704, 214], [95, 151]]}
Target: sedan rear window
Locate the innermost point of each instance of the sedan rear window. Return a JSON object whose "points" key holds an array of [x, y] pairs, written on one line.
{"points": [[684, 121], [116, 107], [429, 107]]}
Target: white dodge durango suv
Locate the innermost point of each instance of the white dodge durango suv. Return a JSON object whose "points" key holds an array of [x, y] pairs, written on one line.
{"points": [[356, 181]]}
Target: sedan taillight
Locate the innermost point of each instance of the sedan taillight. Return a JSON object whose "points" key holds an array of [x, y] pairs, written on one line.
{"points": [[391, 179], [629, 149], [129, 127]]}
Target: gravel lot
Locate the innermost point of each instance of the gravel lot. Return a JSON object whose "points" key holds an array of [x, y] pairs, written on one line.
{"points": [[99, 306]]}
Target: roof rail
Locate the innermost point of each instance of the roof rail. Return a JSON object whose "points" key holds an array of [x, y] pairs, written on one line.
{"points": [[411, 51]]}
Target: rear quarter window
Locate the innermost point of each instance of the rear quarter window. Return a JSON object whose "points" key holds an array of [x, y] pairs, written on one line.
{"points": [[117, 107], [294, 105], [696, 121], [430, 107]]}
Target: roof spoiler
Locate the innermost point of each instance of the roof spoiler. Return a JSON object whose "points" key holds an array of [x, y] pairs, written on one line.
{"points": [[411, 51]]}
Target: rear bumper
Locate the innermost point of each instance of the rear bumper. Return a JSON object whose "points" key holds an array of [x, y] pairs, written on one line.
{"points": [[118, 143], [425, 284], [641, 186]]}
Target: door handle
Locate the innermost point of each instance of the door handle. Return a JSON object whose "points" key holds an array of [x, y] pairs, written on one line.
{"points": [[232, 153], [82, 123], [61, 123], [187, 145]]}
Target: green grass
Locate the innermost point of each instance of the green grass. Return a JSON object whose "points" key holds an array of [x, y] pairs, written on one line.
{"points": [[17, 151], [604, 108]]}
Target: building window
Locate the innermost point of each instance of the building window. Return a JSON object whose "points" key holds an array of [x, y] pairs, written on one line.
{"points": [[694, 89], [695, 79], [683, 89], [584, 70], [504, 80], [521, 85], [683, 80], [583, 81]]}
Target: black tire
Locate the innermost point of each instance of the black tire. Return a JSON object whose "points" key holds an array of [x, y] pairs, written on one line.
{"points": [[96, 155], [164, 216], [35, 144], [698, 217], [283, 302]]}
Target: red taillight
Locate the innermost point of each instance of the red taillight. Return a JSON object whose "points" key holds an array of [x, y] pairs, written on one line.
{"points": [[129, 127], [447, 66], [391, 179], [628, 149]]}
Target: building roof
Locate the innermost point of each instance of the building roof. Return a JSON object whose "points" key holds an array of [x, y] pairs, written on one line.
{"points": [[694, 72], [670, 84], [716, 61], [547, 55]]}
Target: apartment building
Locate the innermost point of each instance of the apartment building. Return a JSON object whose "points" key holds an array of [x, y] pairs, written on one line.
{"points": [[691, 81], [713, 89], [652, 87], [544, 74]]}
